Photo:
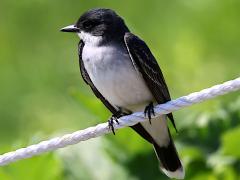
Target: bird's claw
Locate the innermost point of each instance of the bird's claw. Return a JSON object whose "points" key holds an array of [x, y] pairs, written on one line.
{"points": [[114, 118], [111, 122], [149, 111]]}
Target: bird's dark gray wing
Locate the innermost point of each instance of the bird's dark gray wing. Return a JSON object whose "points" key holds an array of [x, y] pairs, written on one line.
{"points": [[144, 61], [88, 81]]}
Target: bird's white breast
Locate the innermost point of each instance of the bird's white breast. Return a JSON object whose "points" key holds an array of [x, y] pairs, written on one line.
{"points": [[111, 70]]}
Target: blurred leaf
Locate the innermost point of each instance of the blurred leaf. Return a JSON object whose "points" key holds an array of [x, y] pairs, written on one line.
{"points": [[191, 154], [44, 167], [89, 160], [226, 173], [218, 161], [231, 143]]}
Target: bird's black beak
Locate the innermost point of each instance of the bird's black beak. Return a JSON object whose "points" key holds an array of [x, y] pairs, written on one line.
{"points": [[71, 28]]}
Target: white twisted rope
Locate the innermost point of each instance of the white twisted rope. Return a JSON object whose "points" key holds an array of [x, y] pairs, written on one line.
{"points": [[100, 129]]}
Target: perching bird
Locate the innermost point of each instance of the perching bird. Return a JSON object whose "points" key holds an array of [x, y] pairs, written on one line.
{"points": [[123, 73]]}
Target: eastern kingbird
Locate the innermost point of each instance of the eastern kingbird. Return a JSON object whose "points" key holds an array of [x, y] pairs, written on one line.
{"points": [[123, 73]]}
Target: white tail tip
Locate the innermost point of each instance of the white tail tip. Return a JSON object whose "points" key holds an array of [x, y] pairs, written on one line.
{"points": [[178, 174]]}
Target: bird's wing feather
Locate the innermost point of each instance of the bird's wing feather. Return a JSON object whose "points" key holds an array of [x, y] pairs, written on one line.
{"points": [[144, 61]]}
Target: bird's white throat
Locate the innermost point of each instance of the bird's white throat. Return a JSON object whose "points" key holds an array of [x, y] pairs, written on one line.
{"points": [[90, 39]]}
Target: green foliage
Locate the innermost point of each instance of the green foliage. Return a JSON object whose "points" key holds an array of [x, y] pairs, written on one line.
{"points": [[41, 93], [210, 144], [43, 167]]}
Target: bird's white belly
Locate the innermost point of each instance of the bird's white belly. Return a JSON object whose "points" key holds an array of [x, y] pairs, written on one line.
{"points": [[113, 74]]}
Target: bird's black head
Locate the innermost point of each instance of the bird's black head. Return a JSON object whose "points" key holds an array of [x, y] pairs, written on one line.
{"points": [[99, 22]]}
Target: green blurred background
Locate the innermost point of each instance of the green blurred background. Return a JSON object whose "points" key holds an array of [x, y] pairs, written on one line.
{"points": [[42, 94]]}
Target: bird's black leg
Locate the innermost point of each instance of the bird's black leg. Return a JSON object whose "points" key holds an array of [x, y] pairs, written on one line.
{"points": [[114, 118], [149, 111], [111, 121]]}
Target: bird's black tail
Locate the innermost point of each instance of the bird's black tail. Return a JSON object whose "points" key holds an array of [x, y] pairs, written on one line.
{"points": [[157, 133], [170, 163]]}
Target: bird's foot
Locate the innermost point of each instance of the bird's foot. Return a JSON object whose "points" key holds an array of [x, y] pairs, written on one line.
{"points": [[111, 122], [114, 119], [149, 111]]}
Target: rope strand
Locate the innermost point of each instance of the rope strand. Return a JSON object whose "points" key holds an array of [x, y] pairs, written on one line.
{"points": [[130, 120]]}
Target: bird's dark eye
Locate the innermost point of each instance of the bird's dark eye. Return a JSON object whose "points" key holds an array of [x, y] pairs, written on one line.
{"points": [[87, 24], [90, 24]]}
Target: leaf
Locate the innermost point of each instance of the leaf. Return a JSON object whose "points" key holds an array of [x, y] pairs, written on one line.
{"points": [[43, 167], [231, 143]]}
